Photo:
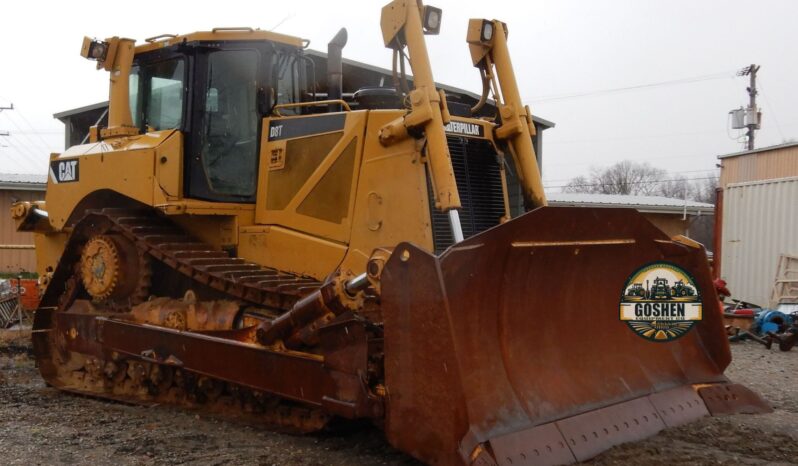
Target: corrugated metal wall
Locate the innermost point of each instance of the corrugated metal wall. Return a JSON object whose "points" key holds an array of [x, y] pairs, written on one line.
{"points": [[760, 221], [766, 165], [14, 260]]}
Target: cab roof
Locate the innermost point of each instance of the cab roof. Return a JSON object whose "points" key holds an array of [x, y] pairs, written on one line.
{"points": [[219, 34]]}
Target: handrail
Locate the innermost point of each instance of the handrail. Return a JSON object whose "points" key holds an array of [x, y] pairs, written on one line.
{"points": [[246, 29], [312, 104], [159, 36]]}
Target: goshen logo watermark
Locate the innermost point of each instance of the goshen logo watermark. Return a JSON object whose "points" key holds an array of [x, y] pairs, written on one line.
{"points": [[660, 302], [64, 171]]}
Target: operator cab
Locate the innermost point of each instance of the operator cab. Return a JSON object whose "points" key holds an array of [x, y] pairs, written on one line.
{"points": [[216, 92]]}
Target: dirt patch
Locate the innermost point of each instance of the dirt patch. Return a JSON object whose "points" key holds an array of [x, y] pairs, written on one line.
{"points": [[40, 425]]}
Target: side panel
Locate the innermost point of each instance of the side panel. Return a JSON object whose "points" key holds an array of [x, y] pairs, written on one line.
{"points": [[126, 166], [392, 204], [308, 173], [169, 169], [290, 250]]}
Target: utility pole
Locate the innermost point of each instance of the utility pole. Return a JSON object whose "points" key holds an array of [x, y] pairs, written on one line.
{"points": [[752, 114]]}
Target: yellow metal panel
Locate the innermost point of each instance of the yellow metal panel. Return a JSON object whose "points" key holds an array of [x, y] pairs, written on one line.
{"points": [[300, 159], [329, 199], [48, 251], [217, 230], [392, 200], [128, 173], [125, 165], [290, 250], [354, 126], [169, 169]]}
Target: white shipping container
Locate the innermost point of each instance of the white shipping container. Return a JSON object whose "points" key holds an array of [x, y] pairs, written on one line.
{"points": [[760, 222]]}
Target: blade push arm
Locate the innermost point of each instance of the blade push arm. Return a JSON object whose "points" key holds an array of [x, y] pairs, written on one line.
{"points": [[487, 41], [403, 26]]}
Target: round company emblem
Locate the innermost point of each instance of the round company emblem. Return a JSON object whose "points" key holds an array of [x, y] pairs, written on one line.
{"points": [[660, 302]]}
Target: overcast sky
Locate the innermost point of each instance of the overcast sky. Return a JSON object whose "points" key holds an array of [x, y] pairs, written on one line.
{"points": [[575, 61]]}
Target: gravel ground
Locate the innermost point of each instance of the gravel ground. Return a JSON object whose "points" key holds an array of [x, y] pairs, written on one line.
{"points": [[39, 425]]}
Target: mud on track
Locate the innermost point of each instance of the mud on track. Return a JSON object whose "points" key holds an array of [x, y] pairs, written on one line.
{"points": [[40, 425]]}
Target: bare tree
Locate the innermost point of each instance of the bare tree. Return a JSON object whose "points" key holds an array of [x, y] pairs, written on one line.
{"points": [[642, 179], [624, 177], [676, 187]]}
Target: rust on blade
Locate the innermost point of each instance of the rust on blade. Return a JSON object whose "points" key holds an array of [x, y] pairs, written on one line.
{"points": [[733, 399], [679, 405], [512, 341], [583, 436], [544, 244], [540, 445], [591, 433]]}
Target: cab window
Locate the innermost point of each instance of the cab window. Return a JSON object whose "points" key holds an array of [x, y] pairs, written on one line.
{"points": [[134, 86], [287, 77], [156, 93], [164, 96], [229, 145]]}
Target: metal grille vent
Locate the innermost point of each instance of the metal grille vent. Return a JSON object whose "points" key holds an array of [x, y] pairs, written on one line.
{"points": [[476, 170]]}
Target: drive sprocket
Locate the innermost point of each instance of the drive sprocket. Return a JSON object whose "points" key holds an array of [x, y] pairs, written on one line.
{"points": [[112, 269]]}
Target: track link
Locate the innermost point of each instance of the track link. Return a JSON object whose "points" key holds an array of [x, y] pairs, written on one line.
{"points": [[136, 380], [168, 243]]}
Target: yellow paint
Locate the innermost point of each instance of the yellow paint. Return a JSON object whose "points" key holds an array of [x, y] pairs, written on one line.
{"points": [[365, 189], [217, 35], [169, 170], [290, 251], [285, 213]]}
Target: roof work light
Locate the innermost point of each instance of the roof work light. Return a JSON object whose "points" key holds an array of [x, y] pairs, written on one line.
{"points": [[432, 19], [94, 49]]}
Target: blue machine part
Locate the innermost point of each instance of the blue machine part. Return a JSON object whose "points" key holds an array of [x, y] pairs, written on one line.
{"points": [[770, 321]]}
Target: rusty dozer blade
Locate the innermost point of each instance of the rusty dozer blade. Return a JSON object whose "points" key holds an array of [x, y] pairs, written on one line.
{"points": [[509, 349]]}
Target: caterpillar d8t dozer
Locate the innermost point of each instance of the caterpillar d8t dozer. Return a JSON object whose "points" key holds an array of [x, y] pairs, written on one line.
{"points": [[229, 239]]}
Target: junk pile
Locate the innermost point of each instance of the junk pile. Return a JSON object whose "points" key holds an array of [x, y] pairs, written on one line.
{"points": [[749, 321], [9, 304]]}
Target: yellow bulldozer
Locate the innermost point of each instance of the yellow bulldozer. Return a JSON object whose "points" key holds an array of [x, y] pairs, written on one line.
{"points": [[232, 240]]}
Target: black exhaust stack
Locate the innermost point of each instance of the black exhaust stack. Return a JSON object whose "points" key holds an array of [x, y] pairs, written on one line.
{"points": [[335, 68]]}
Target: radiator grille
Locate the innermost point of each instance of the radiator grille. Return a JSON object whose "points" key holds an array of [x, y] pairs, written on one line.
{"points": [[479, 182]]}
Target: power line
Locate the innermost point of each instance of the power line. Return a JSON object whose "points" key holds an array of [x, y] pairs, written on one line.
{"points": [[47, 144], [770, 107], [587, 185], [30, 141], [17, 155], [549, 98], [653, 136], [23, 150], [670, 173]]}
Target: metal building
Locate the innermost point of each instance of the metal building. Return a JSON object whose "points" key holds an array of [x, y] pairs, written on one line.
{"points": [[672, 216], [16, 249], [758, 221]]}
